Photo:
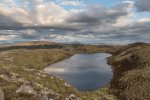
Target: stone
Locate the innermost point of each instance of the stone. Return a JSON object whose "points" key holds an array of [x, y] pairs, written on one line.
{"points": [[1, 94], [12, 78], [29, 69], [10, 59], [71, 97], [43, 75], [5, 77], [67, 84], [26, 89], [41, 71], [52, 77], [44, 97], [46, 91], [41, 97]]}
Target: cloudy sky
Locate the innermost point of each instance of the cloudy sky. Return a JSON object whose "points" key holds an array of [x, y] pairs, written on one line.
{"points": [[85, 21]]}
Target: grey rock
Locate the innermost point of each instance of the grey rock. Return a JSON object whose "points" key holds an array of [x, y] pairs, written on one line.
{"points": [[41, 71], [29, 69], [26, 89], [52, 77], [41, 97], [67, 84], [44, 97], [12, 77], [5, 77], [47, 91], [10, 59], [72, 97], [1, 94]]}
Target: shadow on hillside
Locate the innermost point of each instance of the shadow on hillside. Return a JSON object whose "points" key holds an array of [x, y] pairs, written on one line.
{"points": [[32, 47]]}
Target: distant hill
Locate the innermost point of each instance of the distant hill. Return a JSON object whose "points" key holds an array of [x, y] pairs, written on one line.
{"points": [[33, 43]]}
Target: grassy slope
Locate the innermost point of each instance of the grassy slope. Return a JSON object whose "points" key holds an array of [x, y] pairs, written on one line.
{"points": [[17, 60], [131, 66]]}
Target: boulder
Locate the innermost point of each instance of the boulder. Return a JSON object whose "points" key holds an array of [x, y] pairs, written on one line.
{"points": [[44, 97], [12, 77], [72, 97], [5, 77], [1, 94], [47, 91], [26, 89], [67, 84]]}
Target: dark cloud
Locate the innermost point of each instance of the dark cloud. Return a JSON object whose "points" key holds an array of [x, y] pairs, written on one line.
{"points": [[7, 22], [12, 25], [99, 15], [143, 5], [94, 15]]}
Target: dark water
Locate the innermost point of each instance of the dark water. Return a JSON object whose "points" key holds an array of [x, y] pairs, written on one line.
{"points": [[83, 71]]}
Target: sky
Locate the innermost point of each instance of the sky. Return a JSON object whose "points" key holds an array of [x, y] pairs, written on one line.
{"points": [[69, 21]]}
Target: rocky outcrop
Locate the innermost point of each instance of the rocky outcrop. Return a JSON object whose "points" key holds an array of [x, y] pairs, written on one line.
{"points": [[47, 91], [26, 89], [12, 77]]}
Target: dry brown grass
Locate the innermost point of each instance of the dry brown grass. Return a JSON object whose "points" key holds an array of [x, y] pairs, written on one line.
{"points": [[131, 66]]}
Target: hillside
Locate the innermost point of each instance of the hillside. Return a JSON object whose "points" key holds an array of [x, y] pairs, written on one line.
{"points": [[131, 68], [21, 66], [33, 43]]}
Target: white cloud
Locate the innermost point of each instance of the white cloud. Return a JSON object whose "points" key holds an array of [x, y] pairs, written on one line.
{"points": [[38, 13], [71, 2], [33, 19], [144, 20], [5, 37], [124, 21]]}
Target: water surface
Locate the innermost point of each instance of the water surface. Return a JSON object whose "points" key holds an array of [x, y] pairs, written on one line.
{"points": [[83, 71]]}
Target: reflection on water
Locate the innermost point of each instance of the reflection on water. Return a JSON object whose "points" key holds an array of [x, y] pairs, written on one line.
{"points": [[83, 71]]}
